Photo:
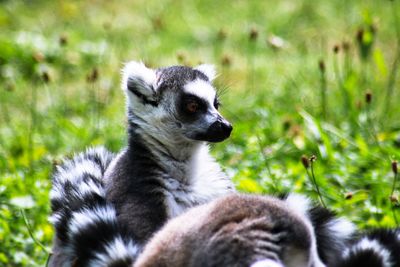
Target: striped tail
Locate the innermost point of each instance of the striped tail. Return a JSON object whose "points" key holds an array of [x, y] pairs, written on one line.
{"points": [[87, 231], [332, 234], [377, 248]]}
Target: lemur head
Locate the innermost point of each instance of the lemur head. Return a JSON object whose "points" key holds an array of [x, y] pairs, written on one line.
{"points": [[175, 101]]}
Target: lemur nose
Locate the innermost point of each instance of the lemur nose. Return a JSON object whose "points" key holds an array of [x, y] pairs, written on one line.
{"points": [[219, 130], [226, 127]]}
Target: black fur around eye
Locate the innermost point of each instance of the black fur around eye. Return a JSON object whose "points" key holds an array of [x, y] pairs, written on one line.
{"points": [[192, 104], [217, 104]]}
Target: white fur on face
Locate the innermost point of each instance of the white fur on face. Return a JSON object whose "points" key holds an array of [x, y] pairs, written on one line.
{"points": [[201, 89], [208, 70]]}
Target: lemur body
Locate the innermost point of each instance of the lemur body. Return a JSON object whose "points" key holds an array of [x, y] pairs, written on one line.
{"points": [[244, 231], [165, 169]]}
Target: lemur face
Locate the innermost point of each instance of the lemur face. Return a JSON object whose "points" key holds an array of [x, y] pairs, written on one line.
{"points": [[181, 100]]}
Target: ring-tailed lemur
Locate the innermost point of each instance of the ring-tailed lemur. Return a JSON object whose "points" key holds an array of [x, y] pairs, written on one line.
{"points": [[244, 231], [165, 169], [376, 248]]}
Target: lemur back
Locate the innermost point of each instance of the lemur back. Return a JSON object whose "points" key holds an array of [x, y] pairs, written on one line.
{"points": [[165, 169], [244, 231]]}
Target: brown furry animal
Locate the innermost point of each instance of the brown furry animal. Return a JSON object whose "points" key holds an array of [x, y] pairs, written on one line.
{"points": [[242, 230]]}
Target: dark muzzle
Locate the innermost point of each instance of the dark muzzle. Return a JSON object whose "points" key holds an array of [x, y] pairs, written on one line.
{"points": [[218, 131]]}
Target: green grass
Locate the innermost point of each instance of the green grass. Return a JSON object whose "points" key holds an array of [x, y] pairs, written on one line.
{"points": [[60, 67]]}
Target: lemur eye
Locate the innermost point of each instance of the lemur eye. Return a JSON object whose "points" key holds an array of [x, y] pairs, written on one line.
{"points": [[192, 106], [216, 103]]}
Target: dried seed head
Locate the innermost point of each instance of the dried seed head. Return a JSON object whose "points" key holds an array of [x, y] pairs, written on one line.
{"points": [[222, 34], [180, 56], [93, 75], [56, 161], [358, 104], [365, 39], [394, 199], [305, 161], [46, 76], [9, 87], [346, 46], [226, 60], [63, 40], [394, 167], [397, 141], [287, 123], [336, 48], [157, 23], [368, 97], [107, 25], [313, 158], [295, 130], [38, 56], [348, 195], [321, 65], [253, 35], [360, 35], [373, 28]]}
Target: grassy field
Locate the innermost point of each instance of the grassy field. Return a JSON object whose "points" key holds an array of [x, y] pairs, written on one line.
{"points": [[298, 79]]}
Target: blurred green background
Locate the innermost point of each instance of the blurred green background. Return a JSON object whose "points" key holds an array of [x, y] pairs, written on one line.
{"points": [[296, 78]]}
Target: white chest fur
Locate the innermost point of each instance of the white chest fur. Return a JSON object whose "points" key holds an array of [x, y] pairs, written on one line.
{"points": [[205, 181]]}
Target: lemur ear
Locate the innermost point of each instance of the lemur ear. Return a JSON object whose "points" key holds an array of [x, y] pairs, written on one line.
{"points": [[208, 70], [140, 81]]}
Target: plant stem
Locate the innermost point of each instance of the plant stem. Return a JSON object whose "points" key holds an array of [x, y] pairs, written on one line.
{"points": [[32, 128], [251, 51], [273, 178], [394, 184], [395, 216], [345, 95], [31, 234], [391, 195], [395, 65], [370, 126], [48, 259], [323, 95], [314, 181]]}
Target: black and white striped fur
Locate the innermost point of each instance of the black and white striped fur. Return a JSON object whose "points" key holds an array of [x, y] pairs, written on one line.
{"points": [[245, 230], [165, 169], [85, 223], [375, 248]]}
